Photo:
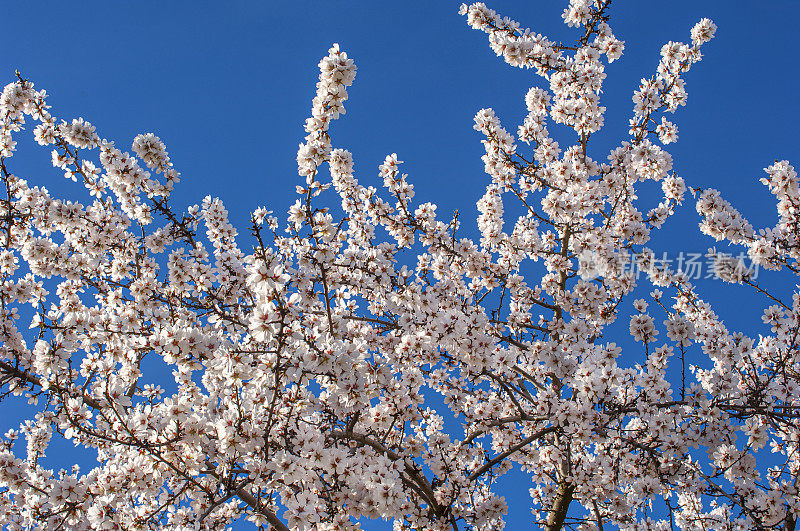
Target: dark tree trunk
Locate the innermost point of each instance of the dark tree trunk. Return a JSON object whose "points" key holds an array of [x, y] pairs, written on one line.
{"points": [[557, 515]]}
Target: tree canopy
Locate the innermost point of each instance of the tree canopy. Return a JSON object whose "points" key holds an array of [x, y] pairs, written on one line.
{"points": [[359, 358]]}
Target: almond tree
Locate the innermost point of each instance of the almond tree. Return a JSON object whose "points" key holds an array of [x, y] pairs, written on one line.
{"points": [[362, 359]]}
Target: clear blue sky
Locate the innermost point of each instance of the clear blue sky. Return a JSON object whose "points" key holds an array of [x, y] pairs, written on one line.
{"points": [[228, 85]]}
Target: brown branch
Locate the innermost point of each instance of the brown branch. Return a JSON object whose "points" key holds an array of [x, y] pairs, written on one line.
{"points": [[557, 515], [420, 484], [271, 517], [489, 464], [30, 378], [500, 422]]}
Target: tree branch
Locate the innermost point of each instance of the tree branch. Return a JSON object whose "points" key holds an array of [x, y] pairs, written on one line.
{"points": [[30, 378], [557, 515], [489, 464], [271, 517]]}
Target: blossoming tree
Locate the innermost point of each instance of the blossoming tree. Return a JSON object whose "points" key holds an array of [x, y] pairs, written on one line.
{"points": [[363, 360]]}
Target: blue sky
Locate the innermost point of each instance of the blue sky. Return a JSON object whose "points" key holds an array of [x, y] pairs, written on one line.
{"points": [[228, 85]]}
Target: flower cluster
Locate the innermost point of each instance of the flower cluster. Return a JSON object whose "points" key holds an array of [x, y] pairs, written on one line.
{"points": [[336, 73]]}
